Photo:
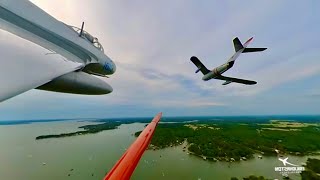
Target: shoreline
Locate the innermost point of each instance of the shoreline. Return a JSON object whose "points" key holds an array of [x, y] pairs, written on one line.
{"points": [[228, 160]]}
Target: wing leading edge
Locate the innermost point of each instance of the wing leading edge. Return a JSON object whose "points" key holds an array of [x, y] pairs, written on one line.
{"points": [[124, 168], [236, 80]]}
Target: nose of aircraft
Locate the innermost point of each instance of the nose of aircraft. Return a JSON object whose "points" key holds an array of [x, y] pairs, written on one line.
{"points": [[114, 67]]}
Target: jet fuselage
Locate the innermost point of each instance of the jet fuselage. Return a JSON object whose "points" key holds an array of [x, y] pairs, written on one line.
{"points": [[222, 68], [217, 72]]}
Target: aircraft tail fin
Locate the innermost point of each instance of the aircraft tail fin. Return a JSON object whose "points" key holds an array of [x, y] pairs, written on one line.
{"points": [[237, 44], [199, 65]]}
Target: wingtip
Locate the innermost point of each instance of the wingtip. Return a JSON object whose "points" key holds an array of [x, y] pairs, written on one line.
{"points": [[193, 58], [157, 118], [252, 83]]}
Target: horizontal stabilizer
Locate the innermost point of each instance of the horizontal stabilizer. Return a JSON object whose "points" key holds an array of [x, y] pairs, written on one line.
{"points": [[248, 50], [236, 80], [199, 65], [237, 44]]}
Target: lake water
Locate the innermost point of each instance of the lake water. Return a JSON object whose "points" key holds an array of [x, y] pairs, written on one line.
{"points": [[92, 156]]}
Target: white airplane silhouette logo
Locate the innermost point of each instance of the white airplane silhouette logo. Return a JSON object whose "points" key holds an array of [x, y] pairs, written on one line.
{"points": [[285, 162]]}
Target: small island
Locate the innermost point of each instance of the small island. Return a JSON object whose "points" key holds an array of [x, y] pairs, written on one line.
{"points": [[88, 129], [105, 124]]}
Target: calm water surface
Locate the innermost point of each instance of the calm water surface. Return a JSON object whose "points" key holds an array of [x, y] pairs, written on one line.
{"points": [[91, 156]]}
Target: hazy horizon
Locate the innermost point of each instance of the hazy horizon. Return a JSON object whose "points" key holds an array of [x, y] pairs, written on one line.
{"points": [[150, 117]]}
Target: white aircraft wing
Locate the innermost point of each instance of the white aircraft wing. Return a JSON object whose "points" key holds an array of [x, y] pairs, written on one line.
{"points": [[20, 75]]}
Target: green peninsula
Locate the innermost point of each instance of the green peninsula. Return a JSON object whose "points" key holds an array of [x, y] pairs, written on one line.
{"points": [[105, 124], [88, 129], [234, 141]]}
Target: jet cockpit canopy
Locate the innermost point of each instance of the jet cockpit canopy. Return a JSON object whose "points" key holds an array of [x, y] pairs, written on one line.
{"points": [[84, 34]]}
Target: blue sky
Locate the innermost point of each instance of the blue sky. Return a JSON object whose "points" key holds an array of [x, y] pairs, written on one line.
{"points": [[151, 43]]}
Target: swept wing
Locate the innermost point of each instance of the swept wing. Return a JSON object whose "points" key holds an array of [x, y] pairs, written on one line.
{"points": [[236, 80], [124, 168]]}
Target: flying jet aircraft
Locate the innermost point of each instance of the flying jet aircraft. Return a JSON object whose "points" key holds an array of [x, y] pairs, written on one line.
{"points": [[217, 72], [83, 54]]}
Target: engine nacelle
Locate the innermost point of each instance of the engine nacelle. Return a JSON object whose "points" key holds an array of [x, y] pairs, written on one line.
{"points": [[77, 83]]}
